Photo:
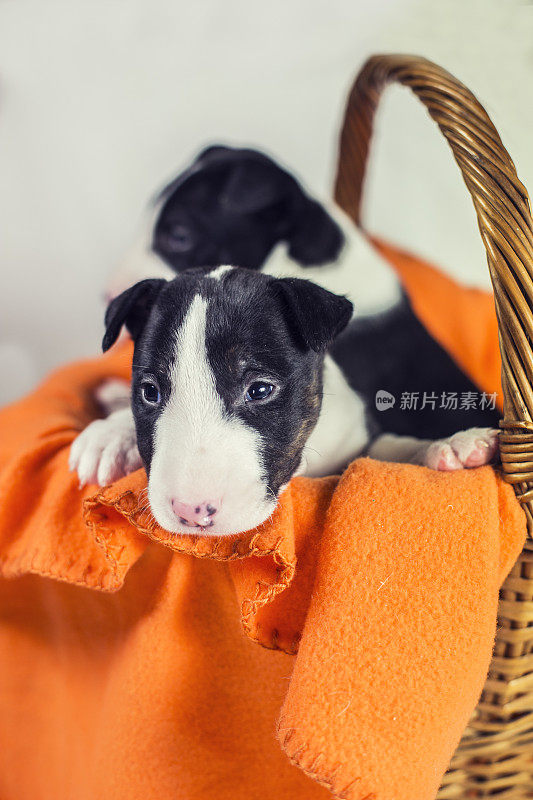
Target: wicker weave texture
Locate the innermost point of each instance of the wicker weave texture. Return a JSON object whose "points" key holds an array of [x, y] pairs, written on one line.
{"points": [[495, 757]]}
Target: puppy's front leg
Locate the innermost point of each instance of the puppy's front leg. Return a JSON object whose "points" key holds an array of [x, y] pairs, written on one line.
{"points": [[106, 450], [463, 450]]}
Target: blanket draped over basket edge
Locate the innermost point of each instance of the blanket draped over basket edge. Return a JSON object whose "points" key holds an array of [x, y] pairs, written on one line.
{"points": [[383, 582]]}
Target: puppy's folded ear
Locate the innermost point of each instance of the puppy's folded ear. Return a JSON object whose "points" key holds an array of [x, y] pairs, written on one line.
{"points": [[314, 315], [131, 308], [315, 237]]}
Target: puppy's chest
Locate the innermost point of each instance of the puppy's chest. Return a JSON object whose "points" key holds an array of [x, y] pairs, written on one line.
{"points": [[342, 431]]}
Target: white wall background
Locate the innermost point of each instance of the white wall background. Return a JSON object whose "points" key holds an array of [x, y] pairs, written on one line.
{"points": [[101, 101]]}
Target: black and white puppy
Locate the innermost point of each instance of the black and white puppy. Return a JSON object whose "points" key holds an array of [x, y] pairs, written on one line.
{"points": [[233, 394]]}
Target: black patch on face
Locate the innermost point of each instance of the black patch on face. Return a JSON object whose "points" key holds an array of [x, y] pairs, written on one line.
{"points": [[232, 206], [394, 351], [252, 334], [248, 338], [153, 356]]}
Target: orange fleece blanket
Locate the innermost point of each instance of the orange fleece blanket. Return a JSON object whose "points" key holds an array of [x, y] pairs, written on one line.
{"points": [[124, 668]]}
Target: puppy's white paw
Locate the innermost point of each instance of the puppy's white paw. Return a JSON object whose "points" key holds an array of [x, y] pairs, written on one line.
{"points": [[463, 450], [106, 450], [113, 395]]}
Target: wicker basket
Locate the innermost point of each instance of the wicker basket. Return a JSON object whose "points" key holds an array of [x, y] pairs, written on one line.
{"points": [[495, 756]]}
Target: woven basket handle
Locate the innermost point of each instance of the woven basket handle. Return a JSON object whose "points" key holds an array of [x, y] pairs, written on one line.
{"points": [[504, 218]]}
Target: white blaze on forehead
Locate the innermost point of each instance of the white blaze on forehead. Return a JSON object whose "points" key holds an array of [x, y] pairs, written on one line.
{"points": [[192, 380], [219, 272], [201, 453]]}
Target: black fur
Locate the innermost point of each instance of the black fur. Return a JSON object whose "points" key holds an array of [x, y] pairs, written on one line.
{"points": [[131, 308], [232, 206], [256, 327], [316, 317], [394, 351]]}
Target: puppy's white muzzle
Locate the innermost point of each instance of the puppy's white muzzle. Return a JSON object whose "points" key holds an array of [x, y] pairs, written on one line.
{"points": [[215, 487]]}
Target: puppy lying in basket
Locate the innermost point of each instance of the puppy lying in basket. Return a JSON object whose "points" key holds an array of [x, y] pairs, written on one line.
{"points": [[233, 390], [233, 394]]}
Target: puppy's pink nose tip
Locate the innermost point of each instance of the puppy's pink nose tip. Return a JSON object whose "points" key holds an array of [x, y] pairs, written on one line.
{"points": [[195, 514]]}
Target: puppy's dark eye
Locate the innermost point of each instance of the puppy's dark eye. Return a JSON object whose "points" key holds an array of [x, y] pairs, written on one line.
{"points": [[259, 390], [180, 239], [150, 393]]}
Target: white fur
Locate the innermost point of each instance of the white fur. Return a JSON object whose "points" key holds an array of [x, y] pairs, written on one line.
{"points": [[471, 448], [113, 395], [340, 434], [200, 453], [360, 272], [106, 450], [219, 272]]}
